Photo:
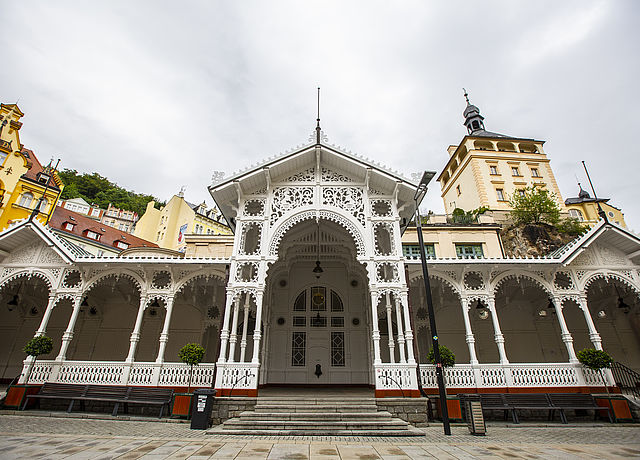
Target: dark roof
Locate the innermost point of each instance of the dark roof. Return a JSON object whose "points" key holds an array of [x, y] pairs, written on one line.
{"points": [[484, 133], [36, 168], [83, 224]]}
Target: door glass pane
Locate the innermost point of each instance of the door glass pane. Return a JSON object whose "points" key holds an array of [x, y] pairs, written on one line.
{"points": [[301, 302], [337, 348], [318, 298], [298, 348], [336, 302]]}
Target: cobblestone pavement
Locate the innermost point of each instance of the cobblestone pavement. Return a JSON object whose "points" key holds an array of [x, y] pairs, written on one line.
{"points": [[53, 437]]}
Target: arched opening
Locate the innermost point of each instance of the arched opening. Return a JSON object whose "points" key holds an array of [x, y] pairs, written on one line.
{"points": [[483, 332], [529, 323], [449, 320], [107, 316], [577, 324], [316, 321], [615, 310], [197, 312], [23, 301]]}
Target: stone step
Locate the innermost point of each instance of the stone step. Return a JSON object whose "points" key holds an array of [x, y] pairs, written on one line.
{"points": [[252, 415], [410, 431], [318, 409], [315, 425]]}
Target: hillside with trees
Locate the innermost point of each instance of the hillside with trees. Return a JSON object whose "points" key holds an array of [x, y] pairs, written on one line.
{"points": [[98, 190]]}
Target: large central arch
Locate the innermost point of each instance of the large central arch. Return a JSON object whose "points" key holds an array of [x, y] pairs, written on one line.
{"points": [[317, 325]]}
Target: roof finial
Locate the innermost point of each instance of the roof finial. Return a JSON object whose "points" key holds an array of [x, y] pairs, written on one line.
{"points": [[466, 96], [318, 120]]}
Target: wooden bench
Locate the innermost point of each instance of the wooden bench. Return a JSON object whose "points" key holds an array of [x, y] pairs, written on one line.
{"points": [[576, 401], [496, 401], [531, 401], [118, 394], [57, 391]]}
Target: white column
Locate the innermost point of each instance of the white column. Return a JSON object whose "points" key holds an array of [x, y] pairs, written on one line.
{"points": [[257, 332], [233, 337], [135, 335], [565, 334], [164, 336], [224, 333], [497, 333], [408, 333], [470, 338], [593, 332], [392, 344], [245, 324], [68, 334], [375, 333], [47, 315], [401, 342]]}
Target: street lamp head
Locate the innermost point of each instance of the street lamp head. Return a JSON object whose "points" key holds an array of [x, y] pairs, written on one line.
{"points": [[422, 186]]}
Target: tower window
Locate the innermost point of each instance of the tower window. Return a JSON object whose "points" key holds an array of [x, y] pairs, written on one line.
{"points": [[475, 125], [515, 171], [458, 190], [534, 172], [500, 194], [493, 170]]}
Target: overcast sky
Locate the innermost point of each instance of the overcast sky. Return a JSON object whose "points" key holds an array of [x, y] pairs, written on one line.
{"points": [[158, 95]]}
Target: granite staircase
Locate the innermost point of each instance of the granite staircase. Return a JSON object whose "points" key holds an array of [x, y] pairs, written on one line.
{"points": [[314, 416]]}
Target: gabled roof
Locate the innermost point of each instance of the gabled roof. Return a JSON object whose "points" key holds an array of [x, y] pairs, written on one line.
{"points": [[36, 167], [26, 231], [258, 176], [603, 232]]}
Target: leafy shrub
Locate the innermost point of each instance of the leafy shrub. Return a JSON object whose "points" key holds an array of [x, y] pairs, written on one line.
{"points": [[447, 357]]}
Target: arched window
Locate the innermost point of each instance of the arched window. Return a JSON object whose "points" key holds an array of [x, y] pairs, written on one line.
{"points": [[26, 199], [576, 214], [43, 205]]}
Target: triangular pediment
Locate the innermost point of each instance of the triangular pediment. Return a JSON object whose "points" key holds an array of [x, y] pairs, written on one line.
{"points": [[604, 245], [33, 243]]}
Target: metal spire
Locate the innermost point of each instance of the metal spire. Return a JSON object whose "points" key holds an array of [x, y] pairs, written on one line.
{"points": [[466, 96], [318, 120]]}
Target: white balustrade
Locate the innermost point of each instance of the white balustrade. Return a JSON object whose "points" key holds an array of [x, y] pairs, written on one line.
{"points": [[237, 375], [142, 374], [40, 371], [396, 376], [177, 374], [522, 375], [97, 372]]}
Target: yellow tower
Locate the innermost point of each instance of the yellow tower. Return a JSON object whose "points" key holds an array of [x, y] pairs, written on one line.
{"points": [[24, 183], [486, 169]]}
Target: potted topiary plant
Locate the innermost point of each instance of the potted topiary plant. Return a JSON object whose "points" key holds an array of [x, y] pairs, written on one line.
{"points": [[191, 354], [448, 359], [597, 360], [38, 345]]}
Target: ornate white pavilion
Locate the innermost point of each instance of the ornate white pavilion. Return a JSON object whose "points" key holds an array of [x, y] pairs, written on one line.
{"points": [[317, 291]]}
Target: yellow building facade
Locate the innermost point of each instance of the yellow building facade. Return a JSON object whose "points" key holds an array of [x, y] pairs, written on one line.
{"points": [[24, 183], [168, 226], [585, 209], [486, 169]]}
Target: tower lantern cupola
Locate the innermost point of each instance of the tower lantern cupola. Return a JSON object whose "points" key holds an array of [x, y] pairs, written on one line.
{"points": [[472, 118]]}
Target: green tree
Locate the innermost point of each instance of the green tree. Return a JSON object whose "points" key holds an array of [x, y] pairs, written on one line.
{"points": [[96, 189], [596, 360], [191, 354], [447, 357], [535, 205], [38, 345]]}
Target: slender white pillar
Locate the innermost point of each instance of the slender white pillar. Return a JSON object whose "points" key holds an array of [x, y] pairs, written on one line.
{"points": [[470, 338], [245, 324], [408, 333], [392, 344], [233, 337], [47, 315], [401, 341], [257, 331], [224, 333], [593, 332], [497, 332], [135, 335], [68, 334], [564, 330], [375, 332], [164, 336]]}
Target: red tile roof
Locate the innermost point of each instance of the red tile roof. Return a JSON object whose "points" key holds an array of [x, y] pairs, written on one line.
{"points": [[109, 235], [36, 167]]}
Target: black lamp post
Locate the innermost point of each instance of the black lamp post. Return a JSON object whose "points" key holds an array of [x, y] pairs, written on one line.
{"points": [[419, 195]]}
